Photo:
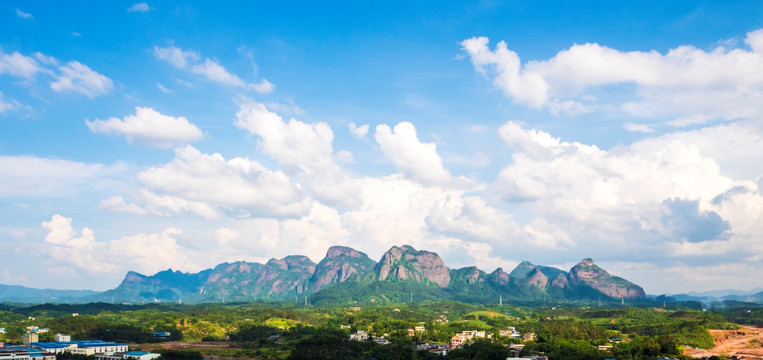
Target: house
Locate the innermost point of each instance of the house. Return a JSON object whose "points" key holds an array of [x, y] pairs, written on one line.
{"points": [[419, 328], [463, 337], [61, 337], [381, 340], [359, 335], [529, 337], [162, 334], [457, 340], [604, 347]]}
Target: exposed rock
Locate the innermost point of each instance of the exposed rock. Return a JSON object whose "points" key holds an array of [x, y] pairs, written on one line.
{"points": [[586, 273], [538, 279], [499, 277], [560, 281], [408, 263], [341, 264]]}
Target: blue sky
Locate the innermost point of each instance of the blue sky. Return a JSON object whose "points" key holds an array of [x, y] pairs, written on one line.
{"points": [[148, 135]]}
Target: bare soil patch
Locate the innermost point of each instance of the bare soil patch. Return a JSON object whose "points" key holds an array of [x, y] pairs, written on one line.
{"points": [[746, 343]]}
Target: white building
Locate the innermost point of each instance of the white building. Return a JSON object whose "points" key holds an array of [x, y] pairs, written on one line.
{"points": [[61, 337]]}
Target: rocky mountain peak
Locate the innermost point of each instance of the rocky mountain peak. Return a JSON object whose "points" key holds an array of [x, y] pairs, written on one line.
{"points": [[407, 263], [586, 262], [586, 273], [341, 264], [499, 277], [335, 252]]}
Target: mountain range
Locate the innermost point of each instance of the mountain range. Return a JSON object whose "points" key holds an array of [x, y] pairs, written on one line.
{"points": [[346, 275]]}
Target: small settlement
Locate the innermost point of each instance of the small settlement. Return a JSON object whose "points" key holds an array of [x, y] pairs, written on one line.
{"points": [[458, 340], [33, 349]]}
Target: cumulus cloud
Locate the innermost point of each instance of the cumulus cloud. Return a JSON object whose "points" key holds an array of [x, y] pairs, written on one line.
{"points": [[138, 7], [78, 77], [302, 150], [146, 253], [204, 184], [149, 127], [417, 160], [210, 69], [83, 252], [686, 81], [659, 198]]}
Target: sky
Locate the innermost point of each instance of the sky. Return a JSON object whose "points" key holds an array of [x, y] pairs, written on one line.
{"points": [[151, 135]]}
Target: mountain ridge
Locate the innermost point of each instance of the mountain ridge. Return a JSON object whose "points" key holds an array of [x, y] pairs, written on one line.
{"points": [[348, 275]]}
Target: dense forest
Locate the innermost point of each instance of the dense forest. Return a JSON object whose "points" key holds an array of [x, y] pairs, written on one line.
{"points": [[289, 331]]}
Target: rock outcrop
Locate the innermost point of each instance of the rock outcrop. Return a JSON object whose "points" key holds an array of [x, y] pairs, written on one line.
{"points": [[406, 263], [341, 264], [277, 279], [586, 273], [499, 277]]}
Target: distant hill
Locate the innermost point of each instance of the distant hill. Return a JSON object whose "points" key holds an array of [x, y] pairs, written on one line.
{"points": [[15, 293], [347, 276]]}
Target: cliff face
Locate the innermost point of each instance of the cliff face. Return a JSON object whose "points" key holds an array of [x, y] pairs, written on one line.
{"points": [[277, 279], [407, 263], [341, 264], [539, 276], [588, 274]]}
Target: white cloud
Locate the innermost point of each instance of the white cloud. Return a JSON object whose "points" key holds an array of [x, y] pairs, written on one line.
{"points": [[147, 253], [360, 132], [18, 65], [179, 58], [659, 199], [633, 127], [149, 127], [24, 15], [302, 150], [208, 68], [685, 82], [40, 177], [163, 89], [7, 105], [200, 183], [118, 204], [139, 7], [83, 252], [80, 78], [214, 72], [415, 159]]}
